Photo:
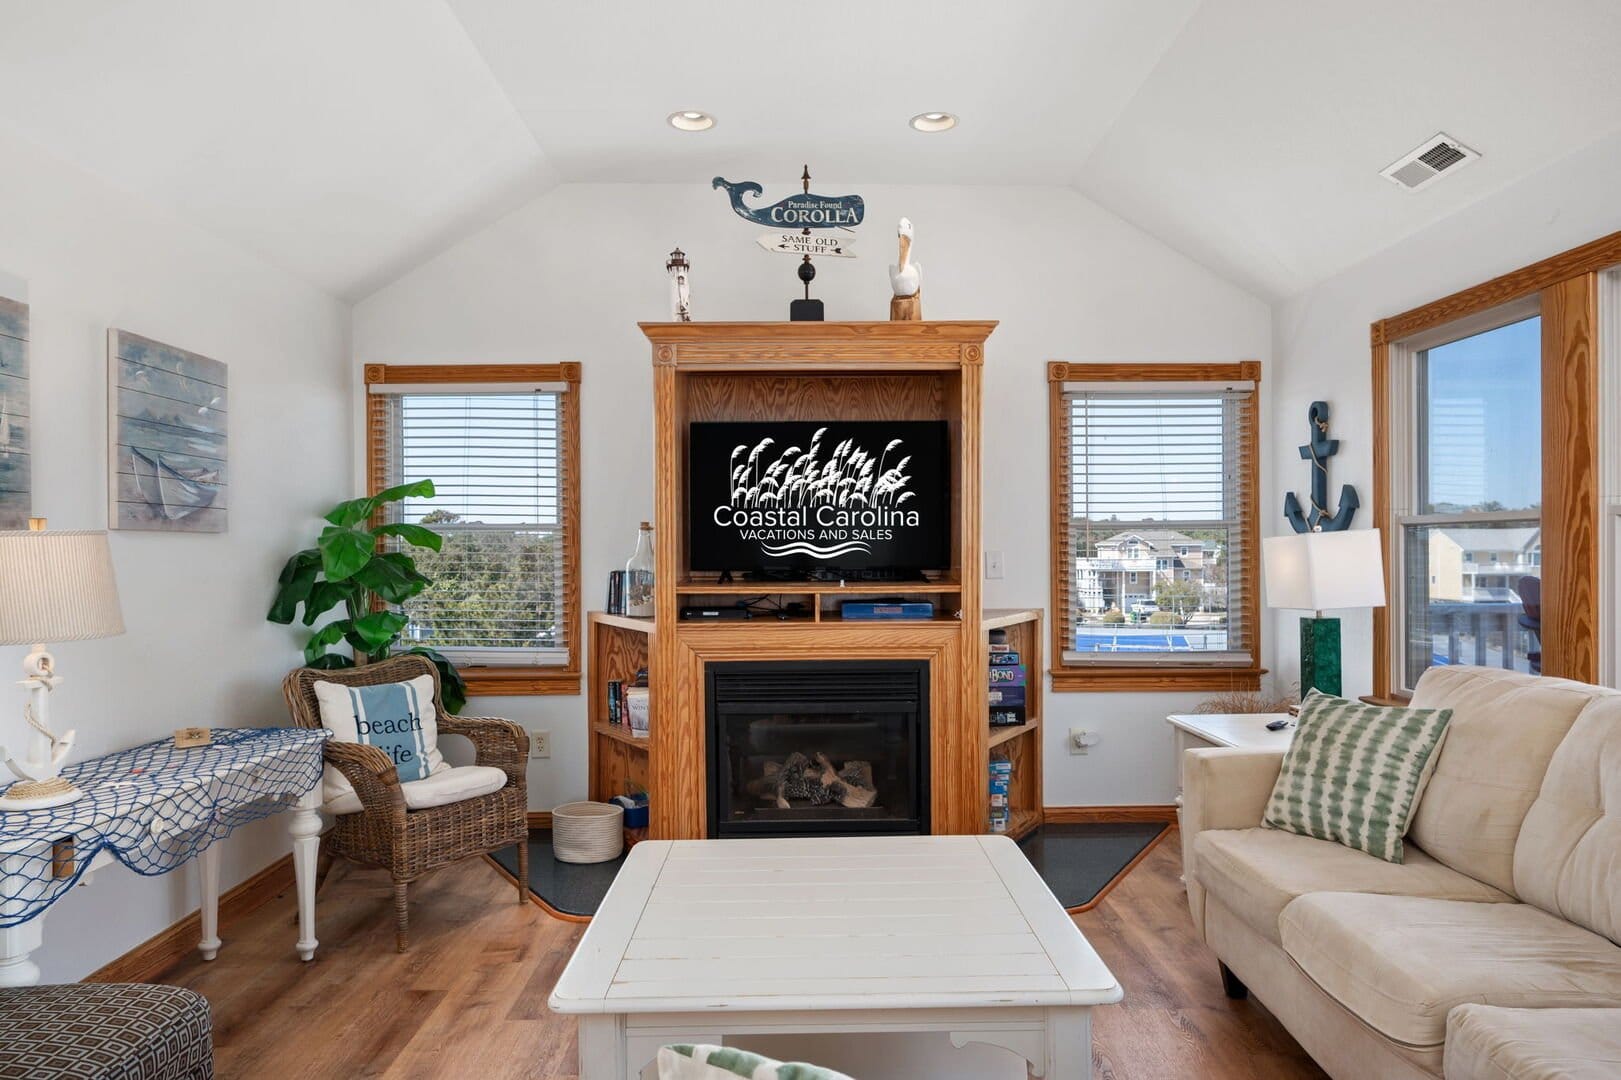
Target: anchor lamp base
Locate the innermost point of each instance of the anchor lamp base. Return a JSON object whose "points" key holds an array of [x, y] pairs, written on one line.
{"points": [[1320, 656], [39, 794]]}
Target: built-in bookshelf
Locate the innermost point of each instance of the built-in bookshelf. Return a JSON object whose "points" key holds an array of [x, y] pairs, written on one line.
{"points": [[618, 649], [1020, 744]]}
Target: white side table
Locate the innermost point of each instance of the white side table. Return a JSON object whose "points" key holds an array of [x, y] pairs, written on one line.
{"points": [[1247, 730]]}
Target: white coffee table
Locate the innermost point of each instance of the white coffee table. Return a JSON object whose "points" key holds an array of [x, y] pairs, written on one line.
{"points": [[700, 940]]}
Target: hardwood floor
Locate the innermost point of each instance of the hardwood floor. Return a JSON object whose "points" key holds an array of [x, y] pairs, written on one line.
{"points": [[469, 999]]}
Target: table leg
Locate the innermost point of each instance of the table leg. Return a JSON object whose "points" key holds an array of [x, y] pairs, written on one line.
{"points": [[602, 1048], [208, 891], [1069, 1044], [16, 942], [305, 828]]}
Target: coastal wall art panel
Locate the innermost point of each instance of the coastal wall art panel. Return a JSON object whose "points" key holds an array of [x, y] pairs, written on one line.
{"points": [[167, 410], [16, 463]]}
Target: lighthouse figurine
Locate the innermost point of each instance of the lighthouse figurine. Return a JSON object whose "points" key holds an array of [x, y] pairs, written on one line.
{"points": [[680, 297]]}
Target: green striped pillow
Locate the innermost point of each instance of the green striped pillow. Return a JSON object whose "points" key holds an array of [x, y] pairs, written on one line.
{"points": [[728, 1063], [1354, 773]]}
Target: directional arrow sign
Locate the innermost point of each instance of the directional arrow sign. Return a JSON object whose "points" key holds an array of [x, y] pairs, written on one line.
{"points": [[793, 243]]}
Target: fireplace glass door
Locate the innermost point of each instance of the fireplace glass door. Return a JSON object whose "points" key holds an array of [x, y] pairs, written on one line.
{"points": [[818, 748]]}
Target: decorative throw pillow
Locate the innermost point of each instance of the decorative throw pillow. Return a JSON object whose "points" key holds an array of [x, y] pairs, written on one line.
{"points": [[397, 718], [1354, 773], [727, 1063]]}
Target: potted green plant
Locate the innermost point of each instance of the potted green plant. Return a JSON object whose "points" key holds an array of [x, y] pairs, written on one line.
{"points": [[350, 568]]}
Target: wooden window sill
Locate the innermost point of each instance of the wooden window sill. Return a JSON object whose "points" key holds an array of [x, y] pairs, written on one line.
{"points": [[1079, 680], [519, 681]]}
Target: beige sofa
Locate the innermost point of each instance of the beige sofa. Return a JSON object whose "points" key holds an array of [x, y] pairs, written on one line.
{"points": [[1510, 896]]}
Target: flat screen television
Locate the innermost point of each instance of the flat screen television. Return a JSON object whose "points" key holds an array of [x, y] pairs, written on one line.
{"points": [[803, 496]]}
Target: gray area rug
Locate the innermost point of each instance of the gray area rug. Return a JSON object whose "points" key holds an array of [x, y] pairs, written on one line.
{"points": [[1076, 861]]}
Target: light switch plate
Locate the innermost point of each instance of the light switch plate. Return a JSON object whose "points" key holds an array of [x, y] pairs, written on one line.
{"points": [[993, 566]]}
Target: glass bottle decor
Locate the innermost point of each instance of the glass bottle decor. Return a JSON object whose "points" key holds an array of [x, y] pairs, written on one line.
{"points": [[639, 575]]}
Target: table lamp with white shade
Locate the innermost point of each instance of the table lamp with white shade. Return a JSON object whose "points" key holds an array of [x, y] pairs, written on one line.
{"points": [[1317, 572], [54, 586]]}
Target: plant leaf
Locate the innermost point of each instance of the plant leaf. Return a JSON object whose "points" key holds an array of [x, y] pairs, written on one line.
{"points": [[351, 512], [379, 628], [451, 686], [325, 596], [354, 511], [392, 576], [332, 660], [328, 635], [344, 551], [417, 489], [294, 585], [415, 535]]}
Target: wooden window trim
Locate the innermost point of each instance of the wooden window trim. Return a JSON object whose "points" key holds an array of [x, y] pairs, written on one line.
{"points": [[1567, 285], [483, 680], [1075, 678]]}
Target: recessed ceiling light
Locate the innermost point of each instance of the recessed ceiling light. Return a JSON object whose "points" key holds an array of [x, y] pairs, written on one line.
{"points": [[934, 121], [691, 120]]}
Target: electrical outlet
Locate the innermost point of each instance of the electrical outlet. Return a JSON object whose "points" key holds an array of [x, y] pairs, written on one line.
{"points": [[993, 566], [1080, 740], [540, 743]]}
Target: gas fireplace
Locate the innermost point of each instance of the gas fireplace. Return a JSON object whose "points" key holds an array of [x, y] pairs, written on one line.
{"points": [[818, 747]]}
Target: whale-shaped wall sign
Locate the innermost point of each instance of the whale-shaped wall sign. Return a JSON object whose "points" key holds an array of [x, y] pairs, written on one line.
{"points": [[802, 211]]}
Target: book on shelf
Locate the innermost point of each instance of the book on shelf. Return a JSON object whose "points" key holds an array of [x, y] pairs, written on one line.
{"points": [[1007, 695], [636, 710]]}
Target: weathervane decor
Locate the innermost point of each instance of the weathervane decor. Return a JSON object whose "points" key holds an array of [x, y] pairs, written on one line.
{"points": [[1318, 450], [802, 212]]}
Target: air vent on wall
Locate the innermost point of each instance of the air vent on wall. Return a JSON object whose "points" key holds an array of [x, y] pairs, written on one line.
{"points": [[1423, 166]]}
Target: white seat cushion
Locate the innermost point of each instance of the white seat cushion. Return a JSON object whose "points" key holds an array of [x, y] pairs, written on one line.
{"points": [[448, 785], [1257, 872], [1402, 963], [1488, 1043]]}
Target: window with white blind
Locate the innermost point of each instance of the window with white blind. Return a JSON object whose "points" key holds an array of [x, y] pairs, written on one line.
{"points": [[1154, 525], [504, 591]]}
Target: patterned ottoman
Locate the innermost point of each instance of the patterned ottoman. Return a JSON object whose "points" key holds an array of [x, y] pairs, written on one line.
{"points": [[105, 1031]]}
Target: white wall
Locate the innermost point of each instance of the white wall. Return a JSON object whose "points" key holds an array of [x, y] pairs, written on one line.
{"points": [[568, 276], [197, 650], [1321, 338]]}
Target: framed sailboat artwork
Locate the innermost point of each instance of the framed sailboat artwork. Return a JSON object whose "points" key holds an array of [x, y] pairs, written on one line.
{"points": [[15, 461], [168, 424]]}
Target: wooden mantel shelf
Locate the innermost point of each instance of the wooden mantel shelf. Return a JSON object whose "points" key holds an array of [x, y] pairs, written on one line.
{"points": [[975, 330], [819, 348]]}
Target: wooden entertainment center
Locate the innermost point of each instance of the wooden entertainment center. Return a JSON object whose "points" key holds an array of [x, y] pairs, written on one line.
{"points": [[813, 371]]}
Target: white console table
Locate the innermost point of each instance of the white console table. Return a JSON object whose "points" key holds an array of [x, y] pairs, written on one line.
{"points": [[154, 808]]}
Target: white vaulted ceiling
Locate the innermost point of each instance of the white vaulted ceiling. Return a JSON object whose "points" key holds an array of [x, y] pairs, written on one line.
{"points": [[343, 139], [348, 139]]}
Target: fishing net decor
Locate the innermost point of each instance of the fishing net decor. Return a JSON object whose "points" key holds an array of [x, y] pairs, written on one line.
{"points": [[153, 807]]}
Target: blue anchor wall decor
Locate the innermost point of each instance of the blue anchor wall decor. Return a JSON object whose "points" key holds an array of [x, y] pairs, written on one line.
{"points": [[1318, 451]]}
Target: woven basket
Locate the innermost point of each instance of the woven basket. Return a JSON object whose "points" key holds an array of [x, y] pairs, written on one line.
{"points": [[588, 832]]}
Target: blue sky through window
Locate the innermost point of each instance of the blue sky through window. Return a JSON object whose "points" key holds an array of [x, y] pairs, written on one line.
{"points": [[1483, 421]]}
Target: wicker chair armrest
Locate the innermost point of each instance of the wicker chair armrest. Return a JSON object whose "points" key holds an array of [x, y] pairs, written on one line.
{"points": [[497, 742], [371, 773]]}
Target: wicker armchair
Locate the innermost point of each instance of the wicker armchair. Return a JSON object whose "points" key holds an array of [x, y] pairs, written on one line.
{"points": [[411, 843]]}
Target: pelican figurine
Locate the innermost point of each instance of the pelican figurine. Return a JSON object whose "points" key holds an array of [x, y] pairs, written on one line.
{"points": [[906, 279]]}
